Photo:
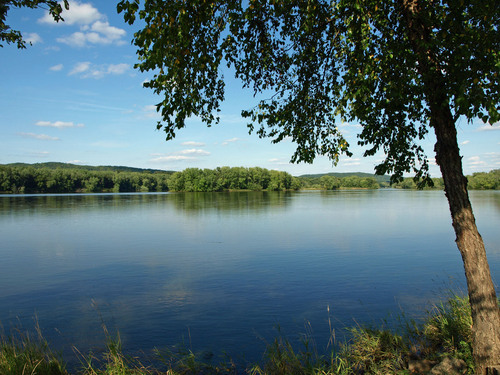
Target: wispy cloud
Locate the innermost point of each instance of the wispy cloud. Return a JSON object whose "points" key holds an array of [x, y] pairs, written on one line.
{"points": [[475, 161], [80, 67], [109, 144], [232, 140], [150, 111], [279, 162], [488, 127], [33, 38], [42, 137], [39, 154], [189, 154], [350, 162], [464, 143], [194, 151], [78, 14], [56, 68], [85, 69], [192, 143], [59, 124], [94, 27], [167, 158]]}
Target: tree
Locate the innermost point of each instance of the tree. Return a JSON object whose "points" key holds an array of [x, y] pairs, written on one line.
{"points": [[8, 35], [400, 68]]}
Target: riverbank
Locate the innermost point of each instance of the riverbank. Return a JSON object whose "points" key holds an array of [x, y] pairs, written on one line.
{"points": [[441, 342]]}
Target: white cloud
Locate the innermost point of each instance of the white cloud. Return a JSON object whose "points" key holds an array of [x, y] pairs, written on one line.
{"points": [[488, 127], [279, 162], [150, 111], [475, 161], [117, 68], [464, 143], [33, 38], [59, 124], [78, 13], [75, 162], [88, 70], [232, 140], [191, 143], [160, 159], [350, 162], [109, 34], [42, 137], [105, 35], [94, 28], [77, 39], [39, 154], [190, 154], [194, 151], [57, 68], [80, 68], [109, 144]]}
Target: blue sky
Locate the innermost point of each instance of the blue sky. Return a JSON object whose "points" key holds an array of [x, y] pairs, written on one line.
{"points": [[73, 96]]}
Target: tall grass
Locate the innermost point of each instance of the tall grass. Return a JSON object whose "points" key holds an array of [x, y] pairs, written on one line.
{"points": [[445, 332], [24, 353]]}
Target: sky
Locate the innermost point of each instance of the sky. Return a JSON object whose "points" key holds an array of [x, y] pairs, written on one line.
{"points": [[73, 96]]}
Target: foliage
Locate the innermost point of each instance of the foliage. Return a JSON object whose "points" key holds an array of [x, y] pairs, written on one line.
{"points": [[8, 35], [67, 178], [21, 353], [113, 361], [449, 330], [409, 183], [375, 351], [446, 331], [312, 61], [29, 179], [476, 181], [485, 181]]}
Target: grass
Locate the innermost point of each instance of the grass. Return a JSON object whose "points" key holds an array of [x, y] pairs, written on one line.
{"points": [[22, 353], [445, 332]]}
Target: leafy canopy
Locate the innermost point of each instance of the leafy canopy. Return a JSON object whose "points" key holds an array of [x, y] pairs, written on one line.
{"points": [[316, 62], [14, 36]]}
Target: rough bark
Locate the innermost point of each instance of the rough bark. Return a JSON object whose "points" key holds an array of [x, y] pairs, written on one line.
{"points": [[482, 296]]}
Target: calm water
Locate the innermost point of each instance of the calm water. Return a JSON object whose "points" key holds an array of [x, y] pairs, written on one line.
{"points": [[219, 271]]}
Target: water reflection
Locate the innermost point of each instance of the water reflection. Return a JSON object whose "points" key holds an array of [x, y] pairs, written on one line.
{"points": [[188, 203], [226, 267]]}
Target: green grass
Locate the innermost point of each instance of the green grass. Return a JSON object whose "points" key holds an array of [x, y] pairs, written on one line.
{"points": [[25, 353], [445, 332]]}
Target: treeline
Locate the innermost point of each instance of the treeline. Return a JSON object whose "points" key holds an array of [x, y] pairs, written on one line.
{"points": [[477, 181], [28, 179], [329, 182], [232, 178]]}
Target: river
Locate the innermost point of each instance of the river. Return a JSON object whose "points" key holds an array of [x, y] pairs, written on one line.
{"points": [[219, 272]]}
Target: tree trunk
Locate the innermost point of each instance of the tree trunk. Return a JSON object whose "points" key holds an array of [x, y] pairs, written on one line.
{"points": [[482, 296]]}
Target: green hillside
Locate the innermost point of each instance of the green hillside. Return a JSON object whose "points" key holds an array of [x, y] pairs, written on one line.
{"points": [[380, 179], [57, 165]]}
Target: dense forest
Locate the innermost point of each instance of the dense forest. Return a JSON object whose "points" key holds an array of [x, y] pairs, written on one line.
{"points": [[476, 181], [69, 178], [61, 179]]}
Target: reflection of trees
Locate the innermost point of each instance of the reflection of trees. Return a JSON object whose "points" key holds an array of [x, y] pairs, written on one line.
{"points": [[230, 201], [185, 202], [486, 198]]}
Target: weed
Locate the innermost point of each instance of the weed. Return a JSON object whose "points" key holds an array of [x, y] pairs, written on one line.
{"points": [[21, 353], [445, 332]]}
